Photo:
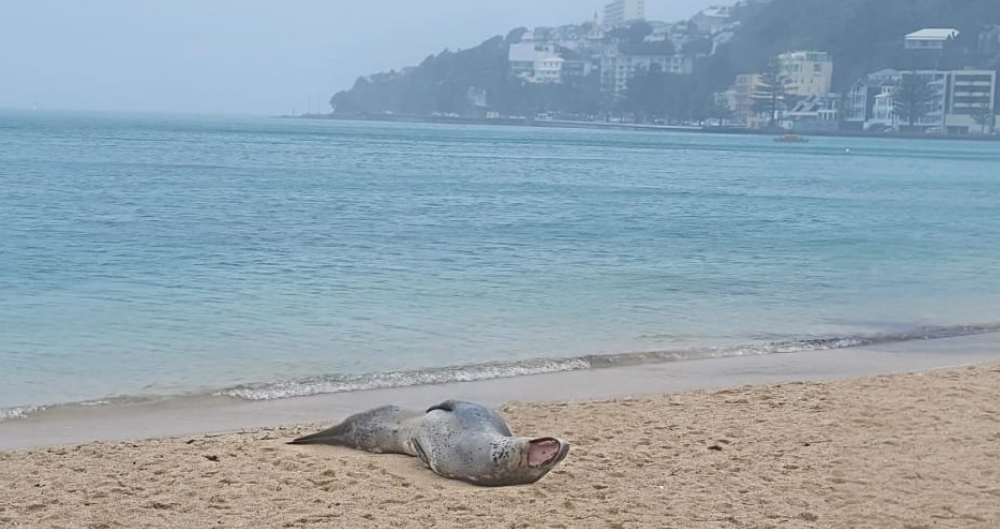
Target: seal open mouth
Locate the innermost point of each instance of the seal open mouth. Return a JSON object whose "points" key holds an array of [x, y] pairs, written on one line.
{"points": [[543, 451]]}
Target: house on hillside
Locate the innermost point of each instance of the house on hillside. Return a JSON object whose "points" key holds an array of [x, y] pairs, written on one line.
{"points": [[617, 68], [619, 12], [577, 64], [711, 20], [548, 69], [929, 38], [521, 59], [535, 63]]}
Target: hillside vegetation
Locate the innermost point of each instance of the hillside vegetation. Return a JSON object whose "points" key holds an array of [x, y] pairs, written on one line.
{"points": [[862, 36]]}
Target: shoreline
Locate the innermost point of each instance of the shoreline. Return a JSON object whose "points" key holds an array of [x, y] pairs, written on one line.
{"points": [[636, 127], [200, 415], [899, 450], [485, 371]]}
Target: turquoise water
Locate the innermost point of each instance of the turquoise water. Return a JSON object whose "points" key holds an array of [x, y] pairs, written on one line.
{"points": [[260, 258]]}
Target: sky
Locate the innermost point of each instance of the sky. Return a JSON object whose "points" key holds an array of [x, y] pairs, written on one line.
{"points": [[244, 56]]}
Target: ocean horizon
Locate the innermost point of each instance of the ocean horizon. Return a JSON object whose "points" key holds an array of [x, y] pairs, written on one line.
{"points": [[149, 256]]}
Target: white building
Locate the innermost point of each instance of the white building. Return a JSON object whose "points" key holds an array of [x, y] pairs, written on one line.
{"points": [[814, 114], [621, 11], [970, 92], [535, 63], [861, 97], [742, 103], [961, 95], [712, 20], [809, 73], [548, 69], [618, 69], [883, 114], [521, 58], [929, 38]]}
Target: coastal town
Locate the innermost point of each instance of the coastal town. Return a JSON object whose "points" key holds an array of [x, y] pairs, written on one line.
{"points": [[953, 101], [620, 67]]}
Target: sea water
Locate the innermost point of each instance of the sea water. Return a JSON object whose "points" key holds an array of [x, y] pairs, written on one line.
{"points": [[148, 256]]}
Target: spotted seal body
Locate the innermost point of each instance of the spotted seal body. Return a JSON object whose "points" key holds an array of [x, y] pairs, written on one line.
{"points": [[455, 439]]}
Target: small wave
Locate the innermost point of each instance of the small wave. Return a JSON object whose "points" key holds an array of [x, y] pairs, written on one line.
{"points": [[21, 412], [395, 379], [469, 373], [101, 402], [7, 414]]}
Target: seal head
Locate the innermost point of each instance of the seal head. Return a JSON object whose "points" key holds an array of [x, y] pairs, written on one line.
{"points": [[472, 443]]}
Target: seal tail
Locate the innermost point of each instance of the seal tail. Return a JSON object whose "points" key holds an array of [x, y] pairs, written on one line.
{"points": [[339, 435]]}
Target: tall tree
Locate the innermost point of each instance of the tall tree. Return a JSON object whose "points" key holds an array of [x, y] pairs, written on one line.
{"points": [[984, 116], [653, 93], [914, 98], [705, 105], [720, 110], [771, 91], [645, 94]]}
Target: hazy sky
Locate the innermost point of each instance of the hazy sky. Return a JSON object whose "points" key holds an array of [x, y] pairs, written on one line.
{"points": [[244, 56]]}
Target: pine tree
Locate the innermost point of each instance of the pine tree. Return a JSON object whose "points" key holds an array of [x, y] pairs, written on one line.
{"points": [[771, 91], [983, 116], [914, 97]]}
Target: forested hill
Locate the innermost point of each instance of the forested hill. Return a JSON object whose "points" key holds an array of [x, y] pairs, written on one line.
{"points": [[441, 83], [862, 36]]}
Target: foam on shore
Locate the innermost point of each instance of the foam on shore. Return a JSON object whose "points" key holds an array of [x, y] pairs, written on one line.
{"points": [[339, 383]]}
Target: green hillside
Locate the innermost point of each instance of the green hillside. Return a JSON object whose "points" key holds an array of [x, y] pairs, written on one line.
{"points": [[862, 36]]}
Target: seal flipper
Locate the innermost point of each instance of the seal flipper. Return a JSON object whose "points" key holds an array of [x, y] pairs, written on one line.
{"points": [[454, 405], [448, 405], [339, 435], [380, 430]]}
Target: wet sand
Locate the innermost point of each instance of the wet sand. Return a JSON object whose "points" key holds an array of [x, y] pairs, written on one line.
{"points": [[908, 450]]}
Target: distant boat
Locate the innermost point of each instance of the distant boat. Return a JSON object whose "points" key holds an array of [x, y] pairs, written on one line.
{"points": [[791, 138]]}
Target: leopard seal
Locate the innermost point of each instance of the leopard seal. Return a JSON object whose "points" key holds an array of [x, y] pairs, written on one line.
{"points": [[455, 439]]}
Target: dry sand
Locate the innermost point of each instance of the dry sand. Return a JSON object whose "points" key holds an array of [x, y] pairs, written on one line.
{"points": [[902, 451]]}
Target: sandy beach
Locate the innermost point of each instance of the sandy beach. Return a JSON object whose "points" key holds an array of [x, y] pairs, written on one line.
{"points": [[908, 451]]}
